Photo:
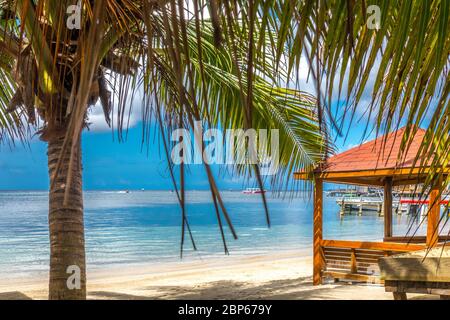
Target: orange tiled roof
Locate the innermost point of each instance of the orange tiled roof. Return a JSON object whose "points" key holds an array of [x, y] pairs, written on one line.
{"points": [[374, 155]]}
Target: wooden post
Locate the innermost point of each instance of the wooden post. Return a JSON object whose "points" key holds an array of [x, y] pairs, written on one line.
{"points": [[434, 214], [387, 207], [317, 232], [400, 296], [353, 265], [360, 206]]}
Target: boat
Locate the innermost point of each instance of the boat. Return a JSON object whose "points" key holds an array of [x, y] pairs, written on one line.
{"points": [[253, 191]]}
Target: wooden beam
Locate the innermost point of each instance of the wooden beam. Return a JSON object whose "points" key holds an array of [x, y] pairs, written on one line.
{"points": [[317, 232], [406, 239], [388, 207], [406, 173], [383, 246], [434, 214], [352, 276], [415, 239], [357, 182], [438, 288]]}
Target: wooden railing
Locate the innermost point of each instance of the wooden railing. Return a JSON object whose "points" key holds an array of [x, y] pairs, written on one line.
{"points": [[415, 239], [356, 260]]}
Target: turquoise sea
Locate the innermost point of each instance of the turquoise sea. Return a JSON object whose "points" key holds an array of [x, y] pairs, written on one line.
{"points": [[145, 227]]}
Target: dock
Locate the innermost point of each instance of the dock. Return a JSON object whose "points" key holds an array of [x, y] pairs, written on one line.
{"points": [[399, 206], [368, 203]]}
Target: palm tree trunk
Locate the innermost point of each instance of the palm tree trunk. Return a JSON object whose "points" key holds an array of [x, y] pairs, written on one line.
{"points": [[66, 226]]}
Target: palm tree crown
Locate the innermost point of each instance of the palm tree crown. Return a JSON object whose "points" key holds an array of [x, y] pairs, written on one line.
{"points": [[188, 69]]}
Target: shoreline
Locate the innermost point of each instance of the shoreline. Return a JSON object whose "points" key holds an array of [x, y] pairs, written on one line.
{"points": [[284, 275], [114, 270], [189, 261], [132, 278]]}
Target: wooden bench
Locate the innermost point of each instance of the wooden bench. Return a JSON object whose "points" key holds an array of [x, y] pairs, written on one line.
{"points": [[358, 261], [352, 264], [399, 289], [424, 271]]}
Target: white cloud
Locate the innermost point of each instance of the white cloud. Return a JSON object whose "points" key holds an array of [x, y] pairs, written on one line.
{"points": [[97, 120]]}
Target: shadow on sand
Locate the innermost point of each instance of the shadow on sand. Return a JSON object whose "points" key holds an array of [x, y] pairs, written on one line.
{"points": [[292, 289], [13, 295]]}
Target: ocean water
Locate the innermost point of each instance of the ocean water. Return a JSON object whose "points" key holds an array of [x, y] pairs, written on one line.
{"points": [[145, 227]]}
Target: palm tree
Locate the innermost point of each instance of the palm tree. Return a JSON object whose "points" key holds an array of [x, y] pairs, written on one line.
{"points": [[390, 59], [188, 70], [228, 69]]}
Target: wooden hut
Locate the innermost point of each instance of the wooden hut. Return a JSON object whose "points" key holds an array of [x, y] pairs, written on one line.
{"points": [[375, 163]]}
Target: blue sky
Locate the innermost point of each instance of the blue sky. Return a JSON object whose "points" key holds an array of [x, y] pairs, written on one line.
{"points": [[108, 164]]}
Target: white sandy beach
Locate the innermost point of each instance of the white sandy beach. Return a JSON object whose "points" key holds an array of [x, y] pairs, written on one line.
{"points": [[281, 276]]}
